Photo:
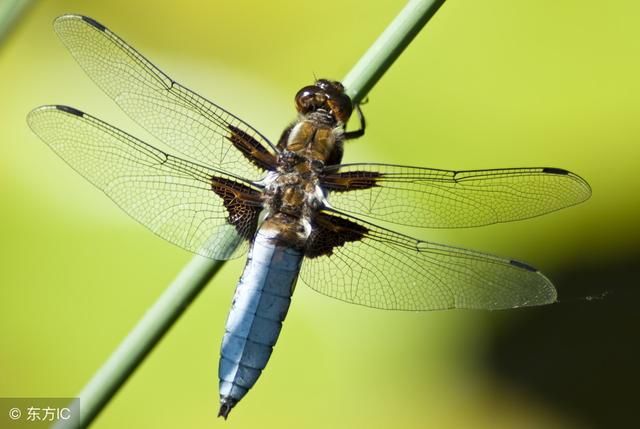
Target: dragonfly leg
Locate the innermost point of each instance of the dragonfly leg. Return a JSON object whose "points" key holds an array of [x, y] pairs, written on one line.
{"points": [[359, 132]]}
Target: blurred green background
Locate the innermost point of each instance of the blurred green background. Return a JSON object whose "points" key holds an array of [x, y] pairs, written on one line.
{"points": [[492, 83]]}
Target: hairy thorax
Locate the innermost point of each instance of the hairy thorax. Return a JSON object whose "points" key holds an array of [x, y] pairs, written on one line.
{"points": [[293, 195]]}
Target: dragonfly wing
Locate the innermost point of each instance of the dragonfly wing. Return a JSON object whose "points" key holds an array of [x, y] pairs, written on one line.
{"points": [[360, 263], [432, 198], [177, 116], [198, 208]]}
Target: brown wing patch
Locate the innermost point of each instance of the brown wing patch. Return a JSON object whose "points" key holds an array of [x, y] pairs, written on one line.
{"points": [[350, 180], [242, 203], [331, 231], [251, 148]]}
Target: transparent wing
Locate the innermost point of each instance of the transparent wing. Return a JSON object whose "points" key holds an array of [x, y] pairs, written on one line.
{"points": [[433, 198], [361, 263], [197, 208], [177, 116]]}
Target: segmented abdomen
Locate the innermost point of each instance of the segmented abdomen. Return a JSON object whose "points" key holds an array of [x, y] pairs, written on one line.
{"points": [[260, 305]]}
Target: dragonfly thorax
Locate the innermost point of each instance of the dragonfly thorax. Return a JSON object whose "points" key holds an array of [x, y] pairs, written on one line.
{"points": [[293, 195], [316, 142]]}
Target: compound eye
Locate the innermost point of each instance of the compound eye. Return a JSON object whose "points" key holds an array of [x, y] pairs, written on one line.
{"points": [[341, 107], [338, 86], [306, 99], [323, 84], [331, 86]]}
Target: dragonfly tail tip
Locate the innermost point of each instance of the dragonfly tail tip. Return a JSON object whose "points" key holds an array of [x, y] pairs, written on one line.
{"points": [[226, 404]]}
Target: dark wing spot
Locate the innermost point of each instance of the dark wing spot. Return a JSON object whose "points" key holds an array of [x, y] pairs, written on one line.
{"points": [[71, 110], [522, 265], [243, 204], [251, 148], [552, 170], [332, 231], [350, 180], [94, 23]]}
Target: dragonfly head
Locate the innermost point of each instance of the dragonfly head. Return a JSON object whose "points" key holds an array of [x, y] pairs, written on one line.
{"points": [[326, 96]]}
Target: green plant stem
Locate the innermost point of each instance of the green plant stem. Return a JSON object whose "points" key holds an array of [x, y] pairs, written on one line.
{"points": [[143, 338], [388, 47], [174, 301]]}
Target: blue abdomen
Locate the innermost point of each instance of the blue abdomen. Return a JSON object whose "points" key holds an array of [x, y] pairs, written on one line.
{"points": [[259, 306]]}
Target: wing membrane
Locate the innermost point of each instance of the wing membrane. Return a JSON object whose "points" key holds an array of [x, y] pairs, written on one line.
{"points": [[197, 208], [360, 263], [434, 198], [179, 117]]}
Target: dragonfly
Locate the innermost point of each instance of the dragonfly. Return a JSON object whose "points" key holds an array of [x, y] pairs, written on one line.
{"points": [[292, 205]]}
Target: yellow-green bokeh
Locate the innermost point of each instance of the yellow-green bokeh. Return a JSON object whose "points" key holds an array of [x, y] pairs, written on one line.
{"points": [[493, 83]]}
